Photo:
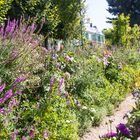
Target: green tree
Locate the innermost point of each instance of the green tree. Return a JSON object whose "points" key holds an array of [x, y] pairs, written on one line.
{"points": [[62, 18], [120, 35], [121, 31]]}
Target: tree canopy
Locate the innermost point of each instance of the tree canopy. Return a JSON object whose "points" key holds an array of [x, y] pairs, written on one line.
{"points": [[62, 17], [128, 7]]}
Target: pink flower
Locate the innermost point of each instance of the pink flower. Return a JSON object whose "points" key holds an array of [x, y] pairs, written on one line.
{"points": [[2, 110], [2, 87], [67, 58], [45, 134], [14, 134], [24, 138]]}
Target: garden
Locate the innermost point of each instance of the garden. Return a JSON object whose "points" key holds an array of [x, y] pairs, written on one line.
{"points": [[58, 95]]}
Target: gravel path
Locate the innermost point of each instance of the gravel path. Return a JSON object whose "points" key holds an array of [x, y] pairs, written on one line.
{"points": [[118, 117]]}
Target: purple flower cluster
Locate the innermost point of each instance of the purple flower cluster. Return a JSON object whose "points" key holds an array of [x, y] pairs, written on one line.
{"points": [[124, 130], [110, 135], [19, 80], [10, 26], [7, 95]]}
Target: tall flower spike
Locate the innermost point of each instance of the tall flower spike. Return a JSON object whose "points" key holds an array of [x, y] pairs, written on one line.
{"points": [[2, 87]]}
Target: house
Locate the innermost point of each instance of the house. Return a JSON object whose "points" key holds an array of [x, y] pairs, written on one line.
{"points": [[93, 35]]}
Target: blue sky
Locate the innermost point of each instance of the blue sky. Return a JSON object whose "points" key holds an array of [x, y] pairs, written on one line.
{"points": [[96, 11]]}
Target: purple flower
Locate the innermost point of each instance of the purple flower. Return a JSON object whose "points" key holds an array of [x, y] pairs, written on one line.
{"points": [[8, 94], [33, 27], [2, 87], [32, 134], [79, 105], [2, 110], [19, 80], [68, 102], [2, 100], [60, 84], [105, 61], [10, 27], [14, 134], [45, 134], [135, 94], [110, 135], [67, 58], [51, 82], [138, 130], [12, 104], [123, 129]]}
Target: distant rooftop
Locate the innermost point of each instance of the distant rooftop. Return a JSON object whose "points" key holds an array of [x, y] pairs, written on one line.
{"points": [[91, 28]]}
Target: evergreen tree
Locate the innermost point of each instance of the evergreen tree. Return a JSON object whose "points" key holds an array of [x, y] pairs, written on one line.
{"points": [[128, 7]]}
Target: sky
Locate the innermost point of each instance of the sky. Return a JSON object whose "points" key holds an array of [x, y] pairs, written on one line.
{"points": [[96, 11]]}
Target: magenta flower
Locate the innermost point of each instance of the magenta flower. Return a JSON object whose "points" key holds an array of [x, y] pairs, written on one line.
{"points": [[8, 94], [2, 110], [2, 87], [10, 27], [123, 129], [2, 100]]}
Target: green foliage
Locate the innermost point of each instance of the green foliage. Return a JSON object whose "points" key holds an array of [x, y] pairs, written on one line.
{"points": [[128, 7], [121, 30], [63, 93], [62, 19], [4, 7], [122, 34]]}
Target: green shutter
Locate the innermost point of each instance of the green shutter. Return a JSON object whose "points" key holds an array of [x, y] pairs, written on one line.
{"points": [[93, 37]]}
